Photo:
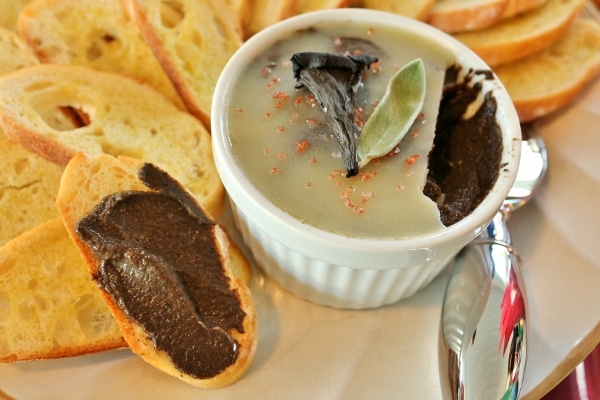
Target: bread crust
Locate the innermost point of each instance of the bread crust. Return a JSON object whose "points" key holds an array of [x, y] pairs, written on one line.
{"points": [[97, 175]]}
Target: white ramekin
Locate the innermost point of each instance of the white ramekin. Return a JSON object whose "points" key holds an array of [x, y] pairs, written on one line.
{"points": [[331, 269]]}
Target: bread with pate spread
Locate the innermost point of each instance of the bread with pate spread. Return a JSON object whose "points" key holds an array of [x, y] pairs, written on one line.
{"points": [[119, 116], [157, 295], [546, 82], [525, 34], [193, 40], [51, 307], [96, 34]]}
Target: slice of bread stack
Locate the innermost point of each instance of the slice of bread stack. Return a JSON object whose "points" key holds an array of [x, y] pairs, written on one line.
{"points": [[469, 15], [548, 81], [9, 13], [95, 34], [525, 34], [85, 182], [50, 306], [193, 40], [417, 9], [120, 117], [15, 54], [28, 188]]}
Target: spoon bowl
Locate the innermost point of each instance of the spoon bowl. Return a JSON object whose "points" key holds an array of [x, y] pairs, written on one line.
{"points": [[483, 332]]}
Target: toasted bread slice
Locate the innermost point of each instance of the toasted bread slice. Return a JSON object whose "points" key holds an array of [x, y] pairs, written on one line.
{"points": [[516, 7], [304, 6], [417, 9], [193, 40], [28, 188], [88, 180], [267, 12], [545, 82], [95, 34], [50, 306], [469, 15], [15, 54], [123, 117], [9, 13], [243, 10], [524, 34]]}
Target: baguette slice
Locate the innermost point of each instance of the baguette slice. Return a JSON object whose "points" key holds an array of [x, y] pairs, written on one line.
{"points": [[85, 182], [15, 54], [524, 34], [9, 13], [417, 9], [304, 6], [95, 34], [267, 12], [193, 40], [123, 117], [243, 10], [28, 188], [545, 82], [468, 15], [50, 306]]}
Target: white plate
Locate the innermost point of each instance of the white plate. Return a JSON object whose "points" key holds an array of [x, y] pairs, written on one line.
{"points": [[311, 352]]}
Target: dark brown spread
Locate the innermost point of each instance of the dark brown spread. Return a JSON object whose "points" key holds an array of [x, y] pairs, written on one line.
{"points": [[466, 155], [161, 266]]}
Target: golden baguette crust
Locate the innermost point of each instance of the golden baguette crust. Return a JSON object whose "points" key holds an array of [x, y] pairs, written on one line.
{"points": [[53, 307], [545, 82], [28, 188], [193, 40], [524, 34], [95, 34], [86, 180], [125, 118]]}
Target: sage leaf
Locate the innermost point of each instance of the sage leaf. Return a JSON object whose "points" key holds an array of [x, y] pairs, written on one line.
{"points": [[394, 115]]}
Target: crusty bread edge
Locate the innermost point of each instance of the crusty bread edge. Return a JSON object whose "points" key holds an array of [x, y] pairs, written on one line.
{"points": [[42, 145], [134, 335]]}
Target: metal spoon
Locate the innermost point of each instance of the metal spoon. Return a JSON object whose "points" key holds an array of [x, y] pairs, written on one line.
{"points": [[483, 330]]}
